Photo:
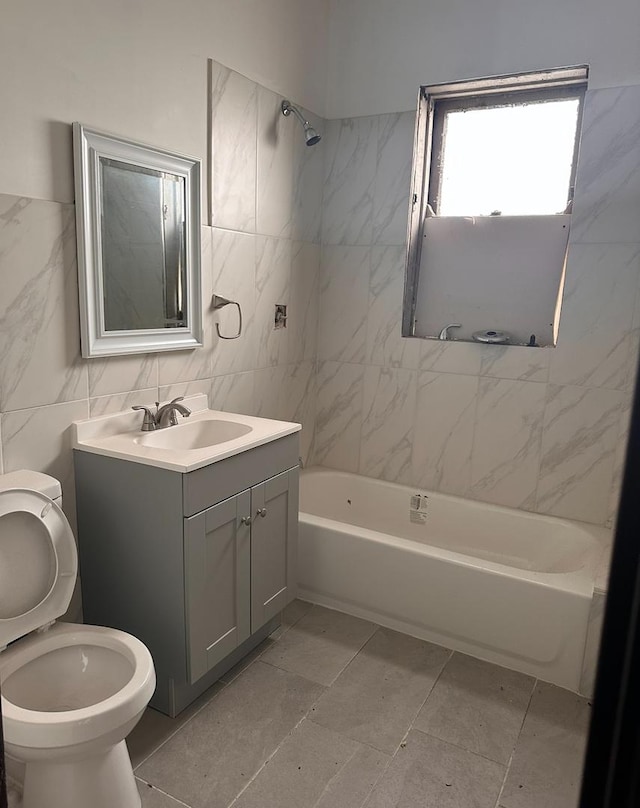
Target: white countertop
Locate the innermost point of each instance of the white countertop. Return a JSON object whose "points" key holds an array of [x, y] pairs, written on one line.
{"points": [[119, 436]]}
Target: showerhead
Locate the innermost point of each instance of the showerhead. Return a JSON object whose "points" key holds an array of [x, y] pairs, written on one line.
{"points": [[310, 135]]}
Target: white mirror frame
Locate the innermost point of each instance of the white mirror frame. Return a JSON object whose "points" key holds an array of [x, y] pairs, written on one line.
{"points": [[89, 146]]}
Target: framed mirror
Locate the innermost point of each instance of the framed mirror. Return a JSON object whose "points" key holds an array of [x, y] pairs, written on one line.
{"points": [[138, 227]]}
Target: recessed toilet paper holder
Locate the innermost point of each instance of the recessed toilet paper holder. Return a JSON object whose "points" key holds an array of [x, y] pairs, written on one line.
{"points": [[219, 302]]}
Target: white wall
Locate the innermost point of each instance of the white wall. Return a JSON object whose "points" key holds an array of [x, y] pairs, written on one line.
{"points": [[138, 68], [380, 51]]}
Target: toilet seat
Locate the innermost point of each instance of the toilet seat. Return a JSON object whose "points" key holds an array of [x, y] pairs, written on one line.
{"points": [[60, 728], [38, 563]]}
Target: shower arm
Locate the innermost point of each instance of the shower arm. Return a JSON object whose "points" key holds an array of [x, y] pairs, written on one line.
{"points": [[288, 108]]}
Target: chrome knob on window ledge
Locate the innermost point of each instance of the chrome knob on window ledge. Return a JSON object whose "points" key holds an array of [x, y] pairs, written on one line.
{"points": [[261, 512], [444, 334]]}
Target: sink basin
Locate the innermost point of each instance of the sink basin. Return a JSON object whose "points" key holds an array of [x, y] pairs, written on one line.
{"points": [[206, 437], [196, 435]]}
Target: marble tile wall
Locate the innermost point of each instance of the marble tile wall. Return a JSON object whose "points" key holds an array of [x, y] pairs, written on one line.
{"points": [[539, 429], [261, 248]]}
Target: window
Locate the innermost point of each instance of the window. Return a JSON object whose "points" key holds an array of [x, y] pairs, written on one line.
{"points": [[501, 148]]}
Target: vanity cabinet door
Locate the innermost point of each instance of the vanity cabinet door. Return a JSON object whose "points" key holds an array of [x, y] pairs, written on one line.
{"points": [[274, 508], [217, 582]]}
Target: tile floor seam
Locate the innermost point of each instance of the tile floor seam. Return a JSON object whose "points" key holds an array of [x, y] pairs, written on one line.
{"points": [[515, 744], [166, 793], [340, 672], [375, 748], [275, 751], [182, 726], [286, 629], [355, 656], [462, 748], [349, 738], [377, 782], [346, 665], [246, 668], [336, 775], [431, 689], [295, 622], [264, 650], [412, 724], [295, 673]]}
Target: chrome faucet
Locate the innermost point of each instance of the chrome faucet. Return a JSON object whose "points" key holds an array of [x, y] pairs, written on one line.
{"points": [[163, 416], [444, 334]]}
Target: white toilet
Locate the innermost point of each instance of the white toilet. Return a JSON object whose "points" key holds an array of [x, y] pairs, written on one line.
{"points": [[70, 693]]}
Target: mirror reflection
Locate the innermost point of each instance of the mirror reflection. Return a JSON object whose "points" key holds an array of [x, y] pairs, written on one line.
{"points": [[143, 247]]}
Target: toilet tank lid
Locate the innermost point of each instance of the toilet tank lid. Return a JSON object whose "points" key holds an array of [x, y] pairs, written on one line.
{"points": [[32, 480]]}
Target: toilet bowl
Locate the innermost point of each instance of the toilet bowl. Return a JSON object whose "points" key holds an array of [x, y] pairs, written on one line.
{"points": [[70, 693]]}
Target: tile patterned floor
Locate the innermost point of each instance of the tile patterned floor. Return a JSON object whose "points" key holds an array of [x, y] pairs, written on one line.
{"points": [[336, 712]]}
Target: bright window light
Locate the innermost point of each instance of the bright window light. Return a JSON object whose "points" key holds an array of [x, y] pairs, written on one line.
{"points": [[516, 160]]}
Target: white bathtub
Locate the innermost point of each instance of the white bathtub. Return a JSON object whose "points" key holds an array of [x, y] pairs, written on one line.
{"points": [[505, 585]]}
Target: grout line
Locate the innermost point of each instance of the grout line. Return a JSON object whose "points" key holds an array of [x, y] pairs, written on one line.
{"points": [[255, 659], [343, 668], [461, 748], [223, 686], [81, 400], [271, 756], [424, 701], [327, 688], [335, 776], [356, 654], [349, 738], [166, 793], [390, 757], [307, 717], [364, 743], [515, 745]]}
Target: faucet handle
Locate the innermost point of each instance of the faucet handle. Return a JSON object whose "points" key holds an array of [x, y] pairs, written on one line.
{"points": [[149, 420]]}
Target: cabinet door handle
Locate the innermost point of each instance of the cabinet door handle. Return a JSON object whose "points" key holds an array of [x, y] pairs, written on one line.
{"points": [[261, 512], [246, 520]]}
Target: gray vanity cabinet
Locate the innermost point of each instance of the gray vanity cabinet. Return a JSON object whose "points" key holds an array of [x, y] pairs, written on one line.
{"points": [[197, 565], [274, 509], [239, 568], [217, 568]]}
